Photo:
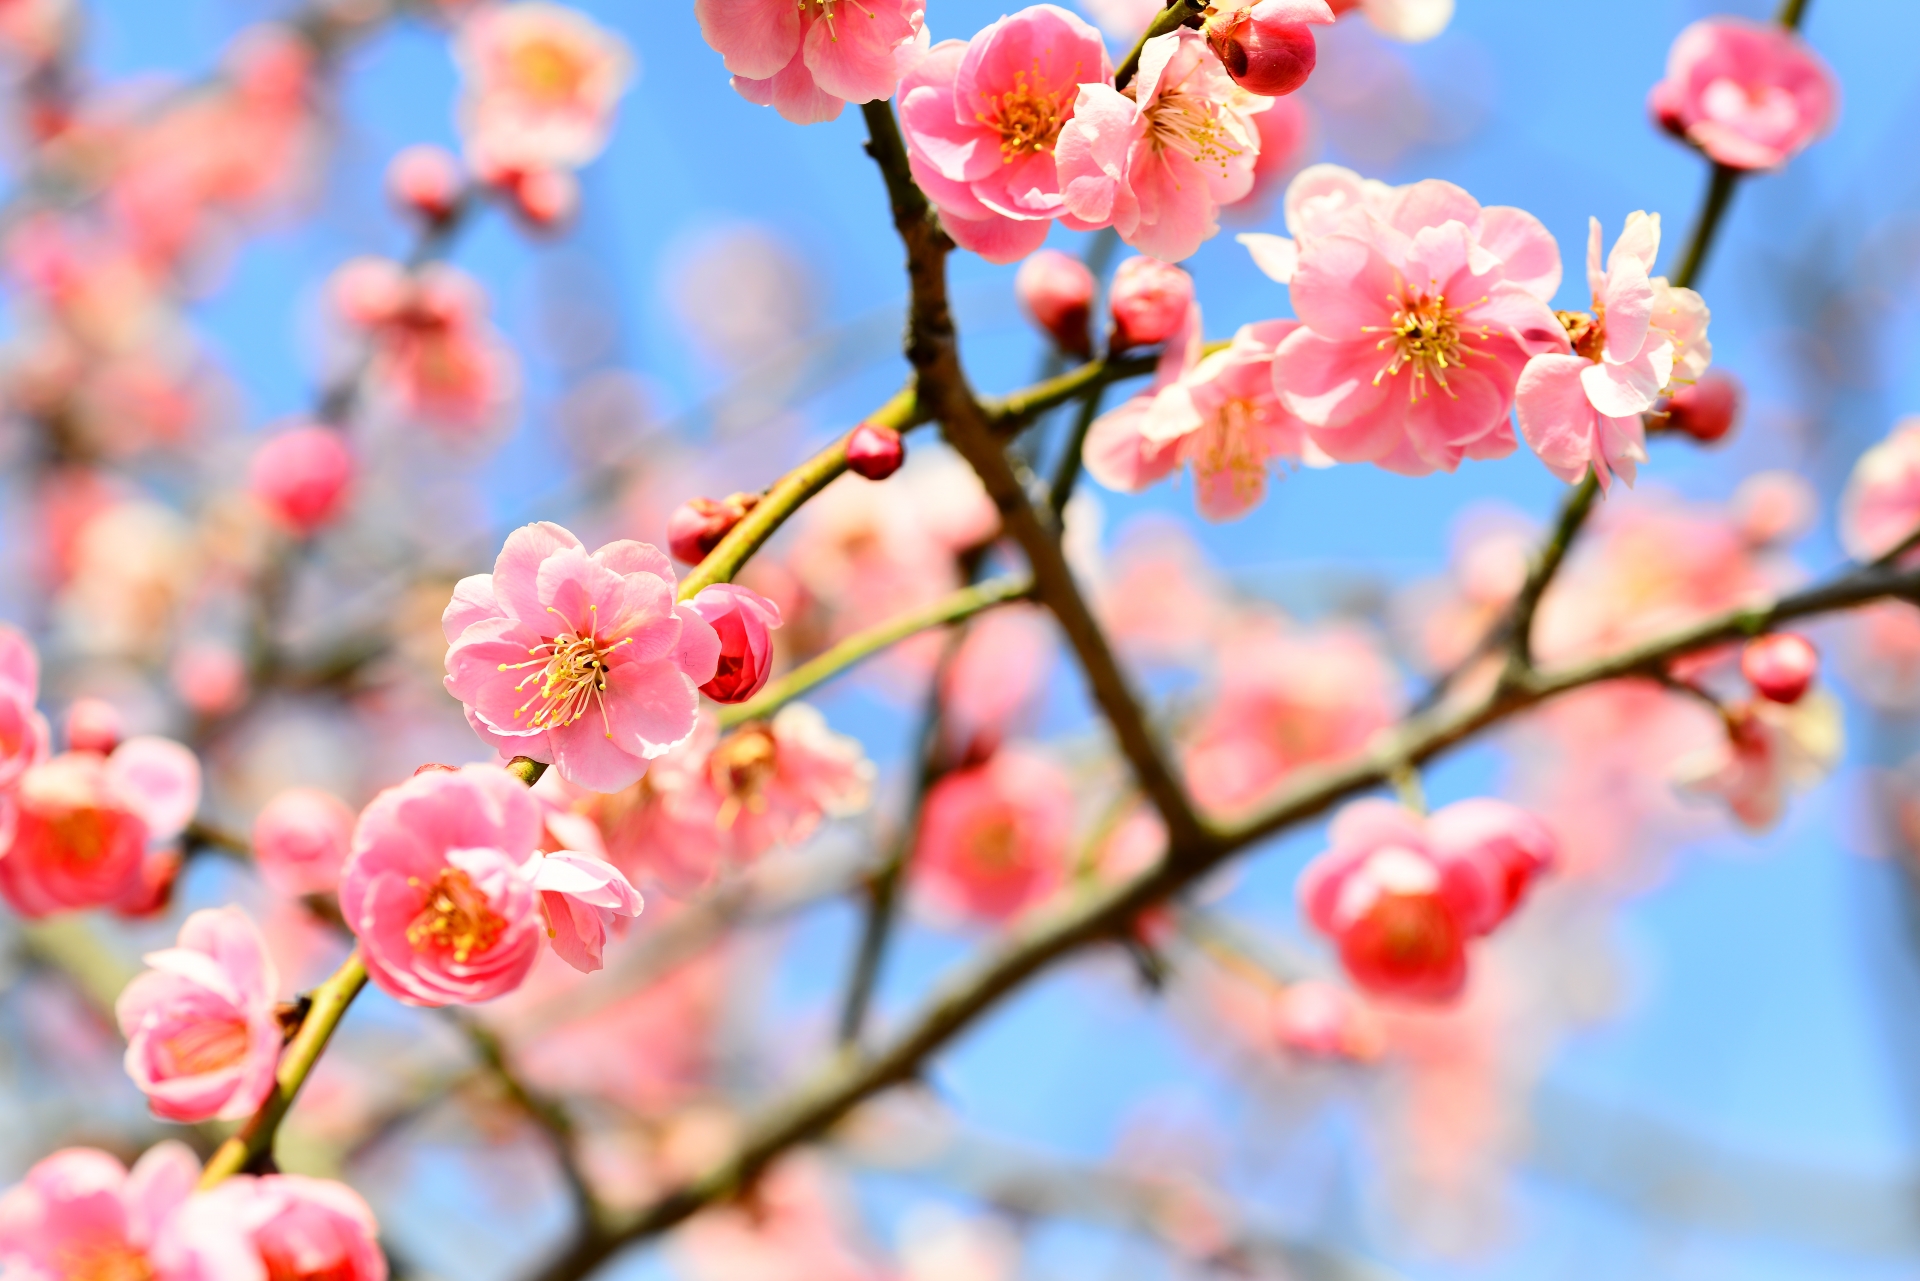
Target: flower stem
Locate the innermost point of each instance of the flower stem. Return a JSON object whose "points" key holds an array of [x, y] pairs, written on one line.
{"points": [[1172, 18]]}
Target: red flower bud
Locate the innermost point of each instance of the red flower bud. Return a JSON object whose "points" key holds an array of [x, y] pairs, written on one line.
{"points": [[1056, 291], [1780, 667], [875, 451], [426, 181], [1268, 47], [302, 477], [93, 725], [546, 199], [1150, 302], [1708, 409], [743, 620], [697, 525]]}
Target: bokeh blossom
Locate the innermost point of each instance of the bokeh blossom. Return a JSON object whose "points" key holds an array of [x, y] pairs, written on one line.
{"points": [[1750, 94], [274, 1226], [79, 1213], [1881, 508], [993, 838], [807, 62], [541, 82]]}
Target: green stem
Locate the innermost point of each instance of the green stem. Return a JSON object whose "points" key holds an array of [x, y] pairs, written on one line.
{"points": [[1720, 187], [1792, 13], [1067, 472], [1172, 18], [1546, 565], [252, 1148], [855, 649]]}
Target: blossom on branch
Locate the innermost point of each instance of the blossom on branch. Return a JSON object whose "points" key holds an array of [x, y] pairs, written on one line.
{"points": [[994, 838], [271, 1227], [80, 1213], [540, 84], [806, 61], [1881, 508], [1750, 94]]}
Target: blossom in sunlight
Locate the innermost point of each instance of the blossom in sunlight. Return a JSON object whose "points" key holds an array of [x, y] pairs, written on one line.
{"points": [[450, 891], [1286, 697], [1286, 137], [300, 841], [1159, 159], [720, 802], [1266, 45], [808, 61], [540, 84], [275, 1226], [1401, 894], [302, 477], [436, 358], [581, 660], [1770, 751], [1419, 309], [1750, 94], [1221, 418], [1056, 291], [744, 621], [1881, 508], [80, 1213], [1583, 409], [982, 120], [1151, 303], [202, 1037], [96, 831], [1410, 20], [1780, 667], [994, 838]]}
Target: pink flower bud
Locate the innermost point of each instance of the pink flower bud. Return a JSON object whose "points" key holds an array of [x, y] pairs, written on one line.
{"points": [[1268, 47], [1749, 94], [1780, 667], [1707, 410], [426, 181], [300, 840], [1150, 302], [370, 292], [301, 477], [210, 678], [875, 451], [1056, 291], [1319, 1019], [744, 622], [697, 525], [93, 725]]}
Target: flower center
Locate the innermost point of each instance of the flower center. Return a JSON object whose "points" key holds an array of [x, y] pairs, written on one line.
{"points": [[455, 917], [1029, 118], [548, 70], [117, 1262], [824, 8], [83, 836], [286, 1263], [995, 845], [1425, 333], [572, 671], [1588, 334], [205, 1046], [740, 768], [1188, 124], [1228, 446]]}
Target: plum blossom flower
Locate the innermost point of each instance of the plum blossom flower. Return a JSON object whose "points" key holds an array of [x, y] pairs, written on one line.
{"points": [[1584, 409], [449, 892], [1419, 308], [1222, 418], [300, 841], [1151, 302], [25, 738], [202, 1037], [1158, 159], [1881, 508], [1286, 136], [540, 84], [96, 831], [436, 358], [581, 660], [744, 621], [723, 802], [274, 1226], [1401, 894], [994, 838], [1750, 94], [1770, 751], [80, 1213], [982, 121], [808, 62]]}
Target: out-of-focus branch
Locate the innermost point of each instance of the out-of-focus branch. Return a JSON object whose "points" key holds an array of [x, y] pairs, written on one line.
{"points": [[1541, 573], [956, 607]]}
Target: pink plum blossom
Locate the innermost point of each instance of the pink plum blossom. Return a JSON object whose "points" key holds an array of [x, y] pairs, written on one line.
{"points": [[449, 892], [545, 673], [80, 1213], [1881, 508], [1056, 291], [436, 358], [25, 737], [1419, 308], [301, 477], [202, 1037], [744, 621], [541, 81], [266, 1228], [995, 679], [982, 120], [1159, 159], [1583, 409], [300, 841], [994, 838], [1286, 137], [807, 62], [795, 1228], [1152, 302], [1749, 94], [1770, 750], [1221, 418]]}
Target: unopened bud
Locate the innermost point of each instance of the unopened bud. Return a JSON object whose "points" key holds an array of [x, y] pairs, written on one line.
{"points": [[301, 477], [546, 198], [93, 726], [697, 525], [875, 451], [744, 621], [426, 181], [1150, 302], [1268, 47], [1708, 409], [1056, 291], [1780, 667]]}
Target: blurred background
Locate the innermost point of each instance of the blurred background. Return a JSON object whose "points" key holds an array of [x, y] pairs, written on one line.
{"points": [[1729, 1082]]}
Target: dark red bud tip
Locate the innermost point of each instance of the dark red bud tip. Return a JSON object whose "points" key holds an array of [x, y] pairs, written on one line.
{"points": [[697, 525], [1708, 410], [1265, 57], [875, 451], [1780, 667]]}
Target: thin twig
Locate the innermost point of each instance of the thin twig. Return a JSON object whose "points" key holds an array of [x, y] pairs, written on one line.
{"points": [[1176, 15]]}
